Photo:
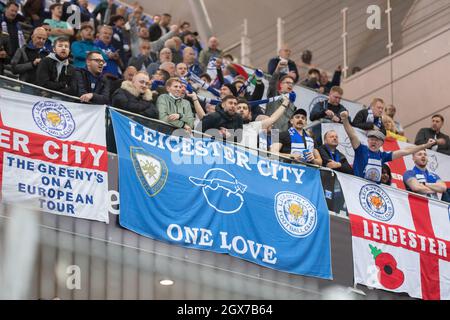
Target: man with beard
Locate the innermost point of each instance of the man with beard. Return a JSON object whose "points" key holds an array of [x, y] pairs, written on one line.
{"points": [[369, 160], [296, 143], [226, 121], [443, 140], [55, 72], [420, 180], [253, 131]]}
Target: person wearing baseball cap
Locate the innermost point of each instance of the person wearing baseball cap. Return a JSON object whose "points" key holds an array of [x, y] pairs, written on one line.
{"points": [[296, 143], [369, 159]]}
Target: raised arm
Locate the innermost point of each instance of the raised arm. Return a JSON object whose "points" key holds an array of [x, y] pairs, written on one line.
{"points": [[350, 130], [277, 114], [198, 107]]}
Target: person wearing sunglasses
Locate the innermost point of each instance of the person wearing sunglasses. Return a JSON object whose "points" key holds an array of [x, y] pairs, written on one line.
{"points": [[92, 86]]}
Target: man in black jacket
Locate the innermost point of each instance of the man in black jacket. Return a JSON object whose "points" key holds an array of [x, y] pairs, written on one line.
{"points": [[157, 30], [371, 118], [91, 85], [55, 72], [27, 58], [425, 134], [329, 109], [135, 96], [227, 122], [10, 21], [286, 84]]}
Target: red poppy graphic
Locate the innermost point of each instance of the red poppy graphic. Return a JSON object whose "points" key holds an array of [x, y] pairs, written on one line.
{"points": [[389, 276]]}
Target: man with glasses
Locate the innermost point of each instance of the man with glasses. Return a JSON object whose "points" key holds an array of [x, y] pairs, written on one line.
{"points": [[225, 123], [92, 87], [286, 87]]}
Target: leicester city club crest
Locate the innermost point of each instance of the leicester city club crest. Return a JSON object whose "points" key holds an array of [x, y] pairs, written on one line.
{"points": [[54, 119], [376, 202], [295, 214], [151, 170]]}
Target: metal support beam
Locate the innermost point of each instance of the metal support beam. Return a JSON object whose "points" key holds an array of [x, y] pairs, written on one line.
{"points": [[280, 33], [388, 13], [245, 45]]}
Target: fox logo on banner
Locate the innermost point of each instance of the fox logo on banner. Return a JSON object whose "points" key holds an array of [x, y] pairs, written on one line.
{"points": [[209, 195], [400, 240], [53, 155]]}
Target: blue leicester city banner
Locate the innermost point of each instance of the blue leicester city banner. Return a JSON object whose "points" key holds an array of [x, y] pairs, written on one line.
{"points": [[210, 195]]}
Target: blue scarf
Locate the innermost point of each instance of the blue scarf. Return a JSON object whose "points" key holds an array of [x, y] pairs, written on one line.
{"points": [[31, 46], [298, 142], [336, 156]]}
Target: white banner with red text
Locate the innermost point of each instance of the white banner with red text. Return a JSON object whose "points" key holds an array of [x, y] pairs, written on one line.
{"points": [[400, 240], [53, 155], [438, 163]]}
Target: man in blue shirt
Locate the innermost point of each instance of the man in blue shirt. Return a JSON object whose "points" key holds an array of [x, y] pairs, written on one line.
{"points": [[369, 159], [420, 180]]}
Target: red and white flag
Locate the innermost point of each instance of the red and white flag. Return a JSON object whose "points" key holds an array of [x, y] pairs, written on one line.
{"points": [[400, 241], [53, 155]]}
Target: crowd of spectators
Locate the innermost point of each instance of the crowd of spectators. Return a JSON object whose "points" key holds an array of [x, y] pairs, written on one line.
{"points": [[150, 67]]}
